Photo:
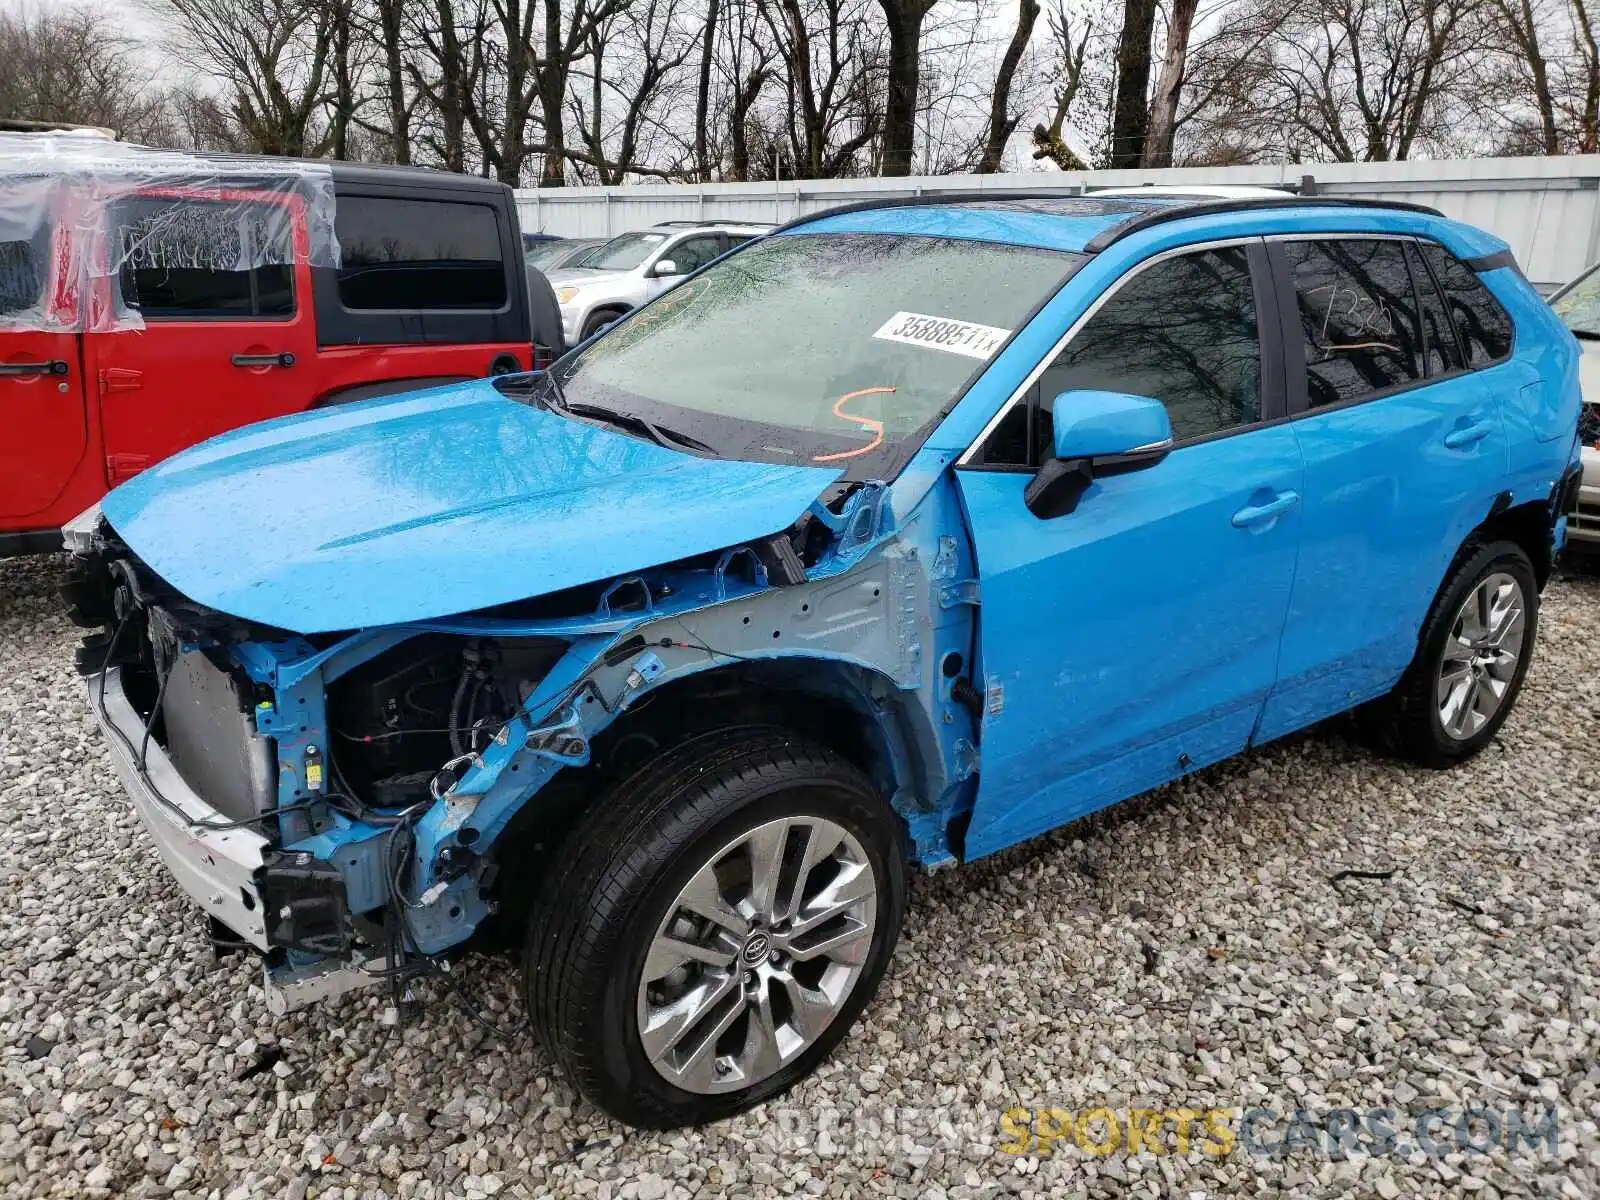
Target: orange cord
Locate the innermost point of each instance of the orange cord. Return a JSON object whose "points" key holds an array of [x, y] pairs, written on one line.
{"points": [[869, 423]]}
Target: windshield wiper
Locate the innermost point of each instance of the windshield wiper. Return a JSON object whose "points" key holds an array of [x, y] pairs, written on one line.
{"points": [[1588, 335], [628, 422]]}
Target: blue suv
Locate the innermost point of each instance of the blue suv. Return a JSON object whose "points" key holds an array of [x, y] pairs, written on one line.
{"points": [[887, 541]]}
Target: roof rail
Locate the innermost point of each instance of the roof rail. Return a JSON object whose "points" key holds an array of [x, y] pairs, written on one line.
{"points": [[1203, 208], [1143, 219]]}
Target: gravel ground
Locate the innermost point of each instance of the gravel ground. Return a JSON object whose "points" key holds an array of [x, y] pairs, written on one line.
{"points": [[1188, 950]]}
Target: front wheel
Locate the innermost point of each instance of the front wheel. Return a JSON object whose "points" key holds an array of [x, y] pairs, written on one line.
{"points": [[724, 916], [1470, 663]]}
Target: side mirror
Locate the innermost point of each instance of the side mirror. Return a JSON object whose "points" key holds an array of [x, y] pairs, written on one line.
{"points": [[1096, 434], [664, 267]]}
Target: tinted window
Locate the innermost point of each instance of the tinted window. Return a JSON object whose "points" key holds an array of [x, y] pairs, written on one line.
{"points": [[418, 254], [1182, 331], [22, 273], [693, 253], [1483, 325], [1438, 335], [1357, 317], [836, 349], [183, 259]]}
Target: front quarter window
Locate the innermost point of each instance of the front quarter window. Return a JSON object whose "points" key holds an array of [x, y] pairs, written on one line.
{"points": [[818, 349]]}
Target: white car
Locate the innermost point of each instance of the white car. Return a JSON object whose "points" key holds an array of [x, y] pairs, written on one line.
{"points": [[1578, 305], [633, 268]]}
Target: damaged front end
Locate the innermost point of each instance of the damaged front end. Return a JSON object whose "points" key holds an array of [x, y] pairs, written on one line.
{"points": [[356, 804]]}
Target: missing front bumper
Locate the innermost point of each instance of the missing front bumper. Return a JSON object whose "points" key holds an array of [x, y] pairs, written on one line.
{"points": [[216, 867]]}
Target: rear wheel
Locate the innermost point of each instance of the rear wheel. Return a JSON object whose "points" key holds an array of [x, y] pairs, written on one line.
{"points": [[1470, 663], [724, 916]]}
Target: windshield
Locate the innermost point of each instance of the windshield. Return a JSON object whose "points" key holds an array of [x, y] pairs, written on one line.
{"points": [[830, 349], [1578, 304], [624, 252], [548, 254]]}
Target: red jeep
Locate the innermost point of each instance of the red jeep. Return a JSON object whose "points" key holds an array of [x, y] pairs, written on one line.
{"points": [[149, 301]]}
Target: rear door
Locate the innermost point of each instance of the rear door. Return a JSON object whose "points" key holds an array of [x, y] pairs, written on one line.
{"points": [[228, 338], [43, 430], [1136, 638], [1405, 452]]}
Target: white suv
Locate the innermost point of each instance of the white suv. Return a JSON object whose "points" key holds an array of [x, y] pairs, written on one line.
{"points": [[635, 267]]}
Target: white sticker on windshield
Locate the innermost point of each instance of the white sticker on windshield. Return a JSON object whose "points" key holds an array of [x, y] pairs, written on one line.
{"points": [[943, 333]]}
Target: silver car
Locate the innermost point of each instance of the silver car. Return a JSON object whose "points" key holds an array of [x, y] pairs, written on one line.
{"points": [[1578, 304], [633, 268]]}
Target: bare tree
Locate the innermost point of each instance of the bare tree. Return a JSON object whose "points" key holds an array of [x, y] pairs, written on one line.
{"points": [[73, 65], [1158, 138], [904, 20], [651, 45], [1069, 53], [1586, 111], [1002, 121], [273, 59], [1518, 23], [1131, 116], [748, 69], [828, 68], [390, 19], [1349, 80]]}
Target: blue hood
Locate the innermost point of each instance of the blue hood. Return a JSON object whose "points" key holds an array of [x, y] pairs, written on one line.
{"points": [[433, 503]]}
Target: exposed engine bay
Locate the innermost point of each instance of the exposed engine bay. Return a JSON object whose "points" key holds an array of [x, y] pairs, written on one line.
{"points": [[376, 784]]}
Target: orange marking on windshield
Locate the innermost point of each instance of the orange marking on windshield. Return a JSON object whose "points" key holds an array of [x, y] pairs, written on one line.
{"points": [[868, 423]]}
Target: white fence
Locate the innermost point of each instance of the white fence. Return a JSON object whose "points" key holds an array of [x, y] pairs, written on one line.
{"points": [[1546, 209]]}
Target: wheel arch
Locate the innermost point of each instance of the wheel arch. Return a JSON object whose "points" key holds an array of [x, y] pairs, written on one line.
{"points": [[854, 711], [1527, 525]]}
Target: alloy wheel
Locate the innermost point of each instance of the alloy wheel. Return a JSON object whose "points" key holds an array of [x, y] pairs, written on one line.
{"points": [[1481, 655], [757, 954]]}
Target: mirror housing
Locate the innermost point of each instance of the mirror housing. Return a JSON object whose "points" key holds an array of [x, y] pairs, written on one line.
{"points": [[1097, 434], [665, 267]]}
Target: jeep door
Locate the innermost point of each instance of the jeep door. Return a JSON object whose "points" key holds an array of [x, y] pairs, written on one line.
{"points": [[1136, 638], [219, 282], [41, 378], [1405, 452]]}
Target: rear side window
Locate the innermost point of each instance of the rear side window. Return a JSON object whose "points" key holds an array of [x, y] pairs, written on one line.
{"points": [[419, 255], [1183, 332], [192, 259], [1438, 333], [1357, 317], [1484, 328]]}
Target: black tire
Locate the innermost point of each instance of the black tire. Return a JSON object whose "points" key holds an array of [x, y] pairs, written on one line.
{"points": [[593, 322], [626, 861], [1407, 722]]}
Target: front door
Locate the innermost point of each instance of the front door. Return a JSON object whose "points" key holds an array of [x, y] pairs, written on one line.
{"points": [[43, 428], [221, 287], [1137, 637], [689, 254]]}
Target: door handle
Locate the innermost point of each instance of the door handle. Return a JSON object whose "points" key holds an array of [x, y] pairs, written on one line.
{"points": [[263, 360], [1467, 435], [1253, 515], [54, 366]]}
